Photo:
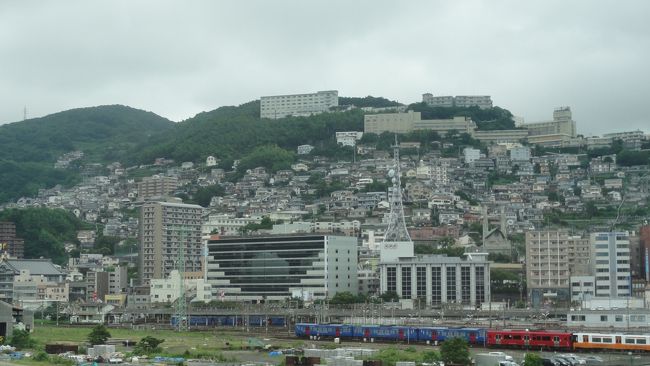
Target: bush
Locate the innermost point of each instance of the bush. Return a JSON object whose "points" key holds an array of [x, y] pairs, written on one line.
{"points": [[41, 356], [21, 339], [148, 345], [99, 335]]}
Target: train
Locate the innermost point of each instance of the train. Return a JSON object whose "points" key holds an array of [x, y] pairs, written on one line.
{"points": [[233, 321], [493, 338]]}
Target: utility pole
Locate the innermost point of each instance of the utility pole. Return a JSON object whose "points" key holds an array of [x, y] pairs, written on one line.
{"points": [[182, 322]]}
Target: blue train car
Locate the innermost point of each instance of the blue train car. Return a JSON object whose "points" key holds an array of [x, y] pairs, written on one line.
{"points": [[323, 330], [386, 332], [471, 335], [431, 334]]}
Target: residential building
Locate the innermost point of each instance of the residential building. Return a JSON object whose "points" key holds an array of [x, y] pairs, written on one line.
{"points": [[280, 106], [156, 186], [520, 153], [10, 244], [33, 271], [167, 289], [438, 279], [226, 225], [304, 149], [348, 138], [165, 228], [275, 268], [612, 263], [471, 154], [547, 266]]}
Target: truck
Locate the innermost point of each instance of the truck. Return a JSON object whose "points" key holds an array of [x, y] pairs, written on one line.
{"points": [[493, 359]]}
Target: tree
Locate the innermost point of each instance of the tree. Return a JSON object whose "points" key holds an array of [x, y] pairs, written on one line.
{"points": [[99, 335], [21, 339], [389, 296], [344, 297], [532, 359], [148, 345], [455, 351]]}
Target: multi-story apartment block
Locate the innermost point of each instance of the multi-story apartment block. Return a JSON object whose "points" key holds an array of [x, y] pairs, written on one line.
{"points": [[156, 186], [275, 268], [481, 101], [227, 225], [9, 243], [611, 260], [438, 279], [547, 266], [165, 227], [280, 106]]}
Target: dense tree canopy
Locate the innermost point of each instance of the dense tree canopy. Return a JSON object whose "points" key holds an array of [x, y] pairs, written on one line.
{"points": [[45, 231]]}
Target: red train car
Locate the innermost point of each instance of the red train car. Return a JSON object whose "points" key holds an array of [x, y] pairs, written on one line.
{"points": [[533, 339]]}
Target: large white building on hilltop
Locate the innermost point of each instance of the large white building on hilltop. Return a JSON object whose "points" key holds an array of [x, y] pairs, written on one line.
{"points": [[557, 132], [481, 101], [297, 105]]}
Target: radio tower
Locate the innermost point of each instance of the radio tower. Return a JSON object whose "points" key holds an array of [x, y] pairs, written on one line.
{"points": [[396, 231], [181, 302]]}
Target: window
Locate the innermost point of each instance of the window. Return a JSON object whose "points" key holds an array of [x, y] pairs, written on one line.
{"points": [[451, 284], [421, 276], [406, 282], [436, 285], [618, 318], [391, 279], [603, 318]]}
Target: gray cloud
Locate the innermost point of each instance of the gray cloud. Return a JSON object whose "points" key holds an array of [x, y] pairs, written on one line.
{"points": [[178, 58]]}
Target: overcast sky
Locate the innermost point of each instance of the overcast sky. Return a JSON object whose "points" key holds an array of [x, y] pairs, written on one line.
{"points": [[179, 58]]}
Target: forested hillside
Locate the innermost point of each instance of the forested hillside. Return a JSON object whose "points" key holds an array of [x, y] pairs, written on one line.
{"points": [[104, 134], [233, 132], [118, 133], [45, 231]]}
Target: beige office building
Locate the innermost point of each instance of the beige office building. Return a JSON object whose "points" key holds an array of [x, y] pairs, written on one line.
{"points": [[411, 121], [560, 131], [165, 227]]}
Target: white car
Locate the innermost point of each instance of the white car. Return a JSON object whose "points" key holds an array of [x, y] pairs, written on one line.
{"points": [[508, 358]]}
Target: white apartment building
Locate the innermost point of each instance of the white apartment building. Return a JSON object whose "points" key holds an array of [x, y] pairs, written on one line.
{"points": [[611, 263], [348, 138], [297, 105], [481, 101], [470, 155], [520, 153], [168, 289], [226, 225]]}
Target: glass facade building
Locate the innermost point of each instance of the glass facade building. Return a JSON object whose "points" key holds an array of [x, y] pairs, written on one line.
{"points": [[279, 267]]}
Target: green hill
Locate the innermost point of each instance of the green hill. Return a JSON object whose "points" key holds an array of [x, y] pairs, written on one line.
{"points": [[101, 132], [104, 134], [233, 132]]}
